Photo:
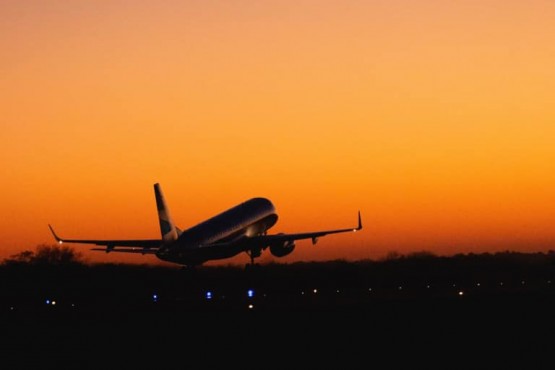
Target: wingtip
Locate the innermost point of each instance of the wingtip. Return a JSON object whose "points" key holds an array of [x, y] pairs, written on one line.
{"points": [[58, 239], [359, 226]]}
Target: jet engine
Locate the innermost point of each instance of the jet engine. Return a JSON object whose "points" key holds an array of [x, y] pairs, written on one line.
{"points": [[282, 249]]}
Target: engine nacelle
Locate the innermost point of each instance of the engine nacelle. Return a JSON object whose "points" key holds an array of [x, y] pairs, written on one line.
{"points": [[282, 249]]}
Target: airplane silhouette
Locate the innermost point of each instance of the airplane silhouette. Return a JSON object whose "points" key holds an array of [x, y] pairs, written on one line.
{"points": [[242, 228]]}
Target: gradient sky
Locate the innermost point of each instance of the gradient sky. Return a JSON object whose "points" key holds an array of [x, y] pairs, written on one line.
{"points": [[435, 118]]}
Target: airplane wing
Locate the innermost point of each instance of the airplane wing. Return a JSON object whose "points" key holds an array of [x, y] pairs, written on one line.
{"points": [[263, 241], [142, 250], [314, 235], [146, 245]]}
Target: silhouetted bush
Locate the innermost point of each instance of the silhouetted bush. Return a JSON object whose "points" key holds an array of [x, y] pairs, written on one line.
{"points": [[45, 254]]}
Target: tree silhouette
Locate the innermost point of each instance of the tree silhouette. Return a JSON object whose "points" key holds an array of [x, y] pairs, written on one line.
{"points": [[47, 254]]}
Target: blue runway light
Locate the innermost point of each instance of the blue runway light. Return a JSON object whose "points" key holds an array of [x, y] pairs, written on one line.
{"points": [[250, 293], [155, 297], [48, 301], [208, 295]]}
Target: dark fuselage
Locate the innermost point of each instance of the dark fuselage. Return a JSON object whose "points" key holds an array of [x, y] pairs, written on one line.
{"points": [[233, 228]]}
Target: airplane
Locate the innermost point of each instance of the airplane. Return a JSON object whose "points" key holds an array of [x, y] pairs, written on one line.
{"points": [[242, 228]]}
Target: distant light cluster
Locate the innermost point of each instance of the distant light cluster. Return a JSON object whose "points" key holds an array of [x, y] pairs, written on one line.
{"points": [[250, 298]]}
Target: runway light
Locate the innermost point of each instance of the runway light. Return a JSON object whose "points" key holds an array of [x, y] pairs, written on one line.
{"points": [[427, 286], [461, 293], [400, 288], [53, 303], [315, 291], [501, 283], [209, 295], [477, 284], [337, 290], [523, 282], [250, 293], [251, 306]]}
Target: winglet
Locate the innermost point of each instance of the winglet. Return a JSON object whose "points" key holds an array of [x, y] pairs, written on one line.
{"points": [[359, 227], [58, 239]]}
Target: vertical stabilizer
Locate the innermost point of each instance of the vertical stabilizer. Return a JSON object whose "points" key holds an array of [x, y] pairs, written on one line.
{"points": [[167, 227]]}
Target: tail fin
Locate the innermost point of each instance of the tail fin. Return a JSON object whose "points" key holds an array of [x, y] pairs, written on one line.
{"points": [[167, 227]]}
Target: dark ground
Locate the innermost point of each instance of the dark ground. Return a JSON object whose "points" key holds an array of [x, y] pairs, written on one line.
{"points": [[467, 311]]}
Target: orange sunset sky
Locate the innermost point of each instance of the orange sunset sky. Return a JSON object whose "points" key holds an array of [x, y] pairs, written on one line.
{"points": [[435, 119]]}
